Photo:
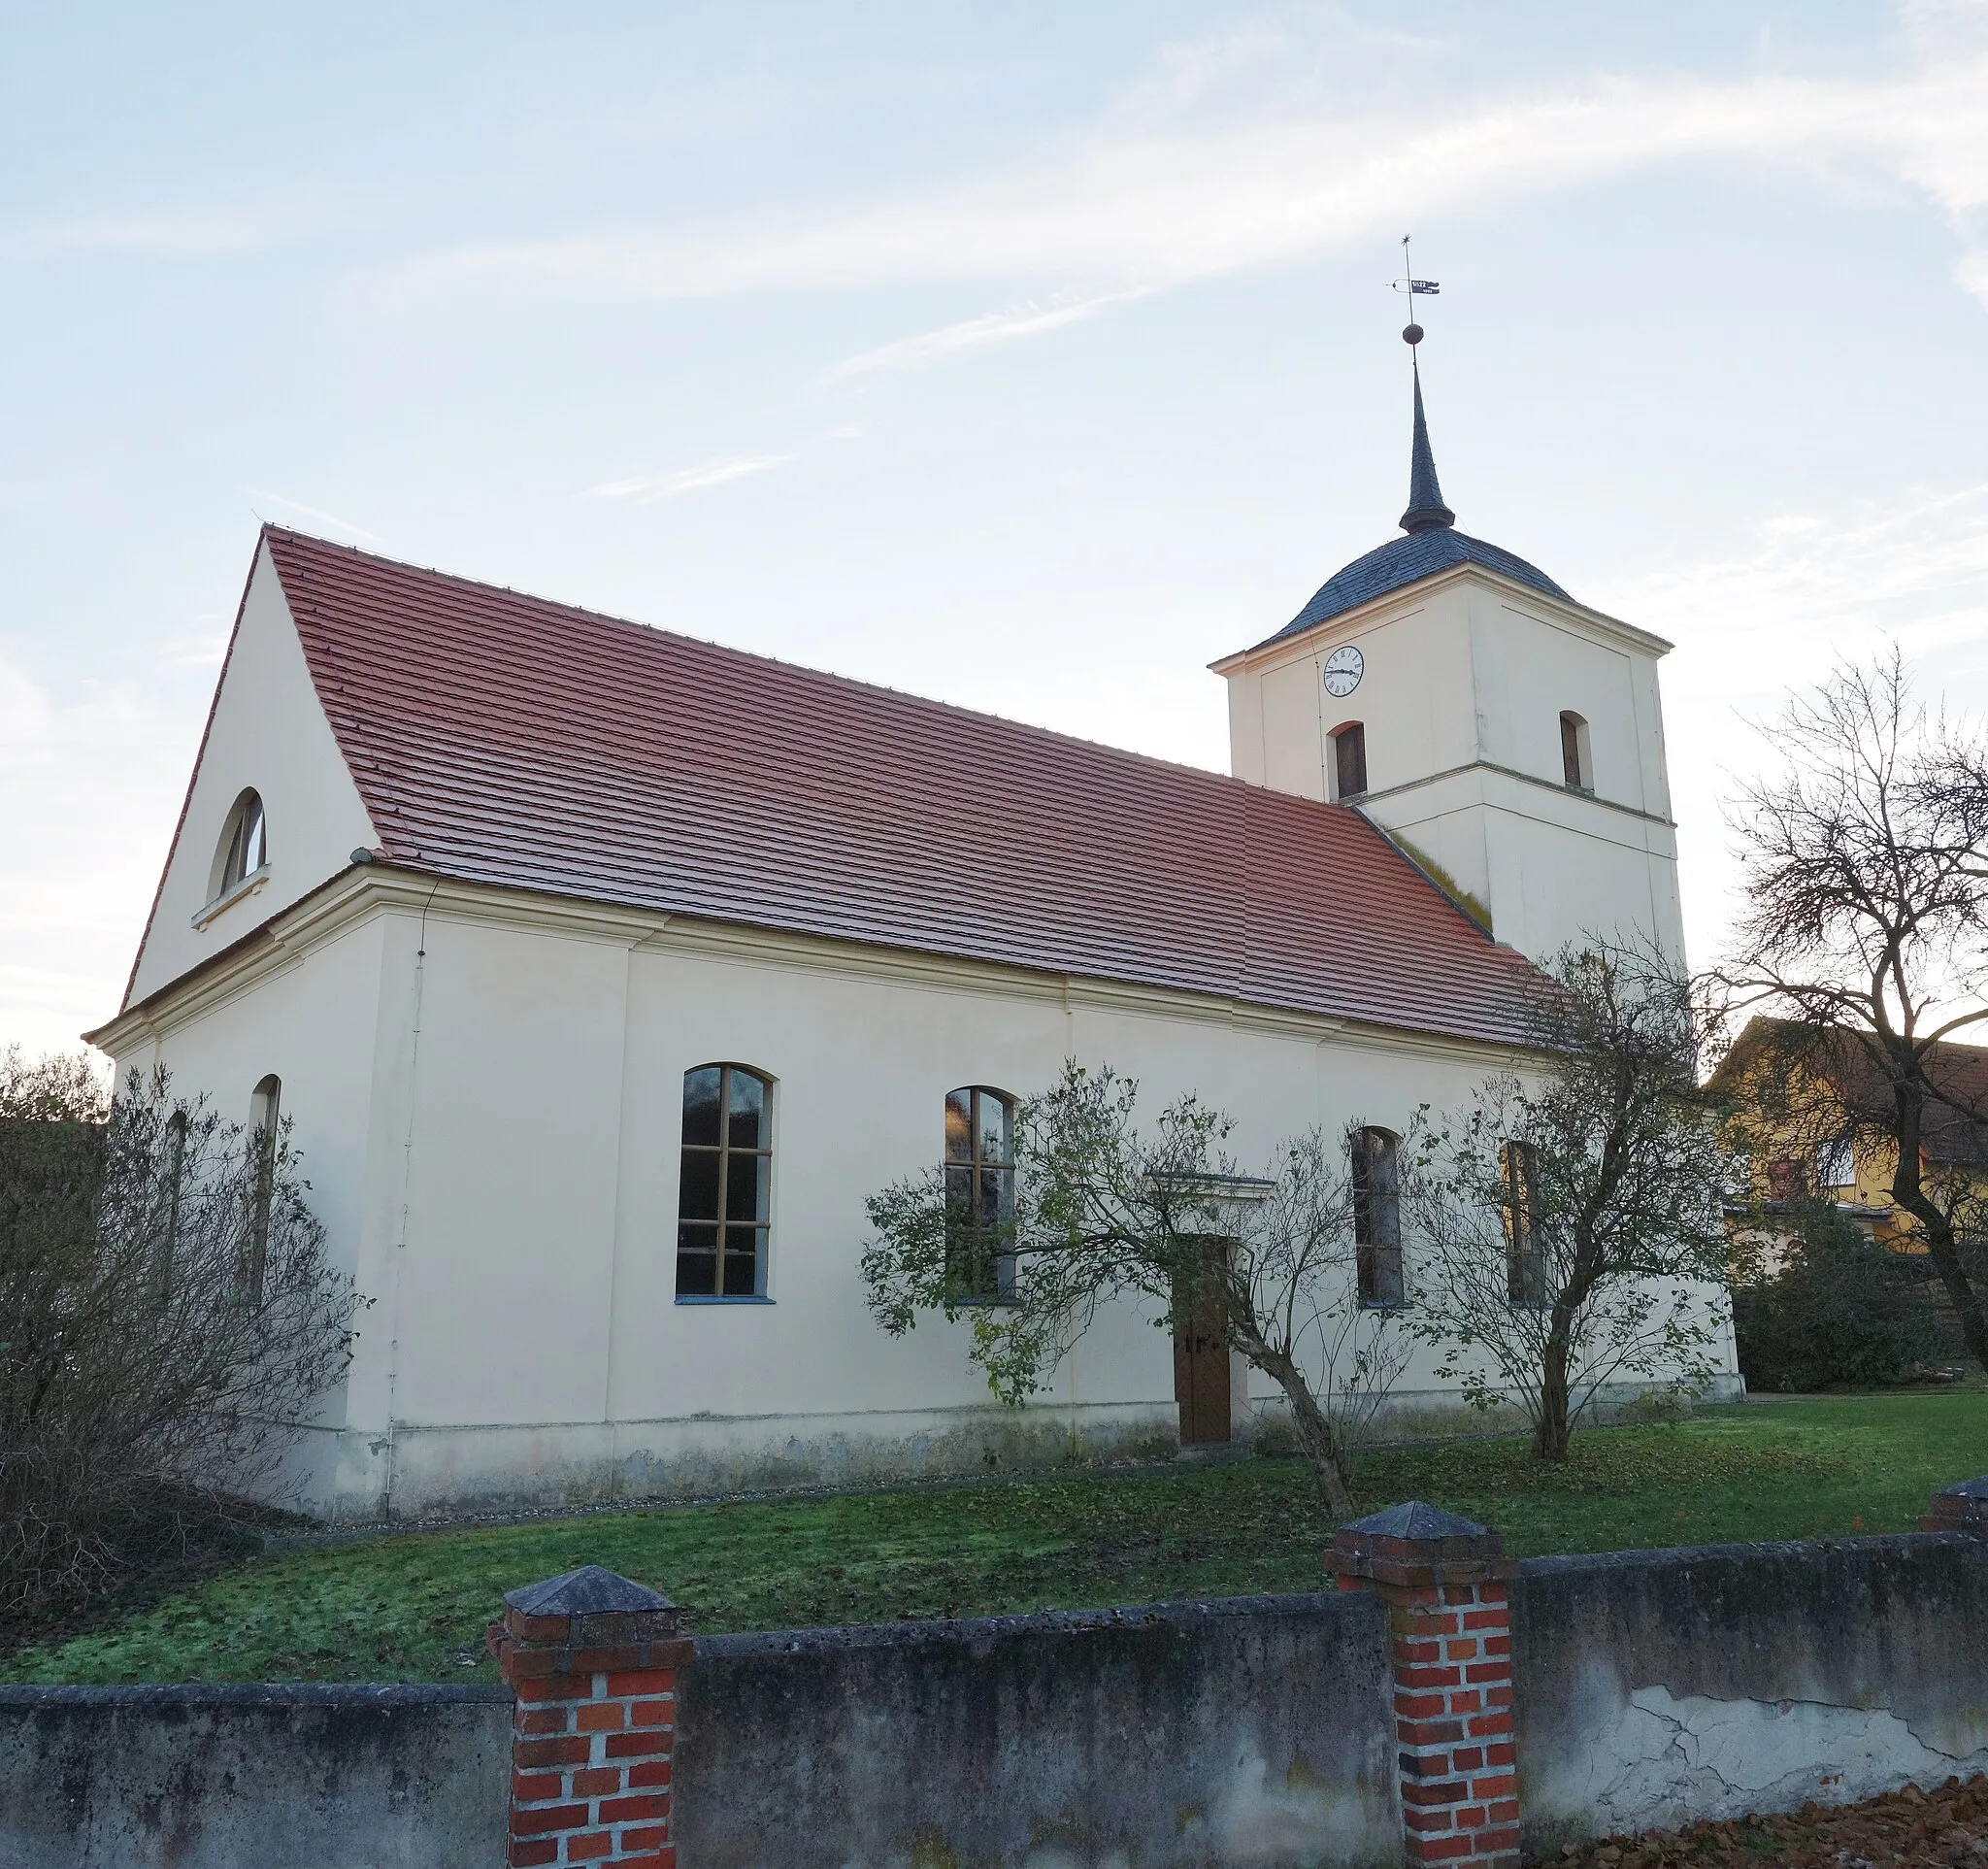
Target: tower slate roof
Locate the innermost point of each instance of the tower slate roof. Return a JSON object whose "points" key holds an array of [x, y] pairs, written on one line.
{"points": [[1430, 543], [1426, 510]]}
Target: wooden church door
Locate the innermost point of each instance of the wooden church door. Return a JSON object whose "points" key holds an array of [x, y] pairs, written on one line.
{"points": [[1201, 1374]]}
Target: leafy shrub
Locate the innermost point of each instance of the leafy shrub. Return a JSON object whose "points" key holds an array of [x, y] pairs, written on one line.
{"points": [[1664, 1407], [167, 1319], [1836, 1310]]}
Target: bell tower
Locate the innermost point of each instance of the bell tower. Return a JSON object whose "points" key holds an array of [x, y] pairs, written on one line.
{"points": [[1510, 739]]}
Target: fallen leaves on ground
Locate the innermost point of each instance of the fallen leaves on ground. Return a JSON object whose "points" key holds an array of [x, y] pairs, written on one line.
{"points": [[1912, 1828]]}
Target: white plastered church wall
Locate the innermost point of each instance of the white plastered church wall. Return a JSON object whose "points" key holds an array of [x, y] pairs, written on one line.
{"points": [[543, 1353], [506, 1192], [309, 1015]]}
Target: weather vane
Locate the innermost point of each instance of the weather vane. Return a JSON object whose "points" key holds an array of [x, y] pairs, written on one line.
{"points": [[1412, 332]]}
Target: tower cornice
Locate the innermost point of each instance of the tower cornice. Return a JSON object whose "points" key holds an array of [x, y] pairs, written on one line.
{"points": [[1611, 630]]}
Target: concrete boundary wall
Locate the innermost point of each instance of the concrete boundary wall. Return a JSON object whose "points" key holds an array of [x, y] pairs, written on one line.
{"points": [[1658, 1686], [1252, 1730], [207, 1777], [1646, 1688]]}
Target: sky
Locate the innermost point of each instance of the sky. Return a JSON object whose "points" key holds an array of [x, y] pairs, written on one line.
{"points": [[1027, 355]]}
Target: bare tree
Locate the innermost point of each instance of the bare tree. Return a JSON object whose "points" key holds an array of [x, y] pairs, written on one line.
{"points": [[1865, 947], [1100, 1212], [1568, 1222], [167, 1319]]}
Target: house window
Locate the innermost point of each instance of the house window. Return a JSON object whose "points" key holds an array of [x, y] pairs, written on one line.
{"points": [[979, 1193], [244, 848], [1836, 1166], [1524, 1261], [1787, 1180], [723, 1201], [1575, 764], [1376, 1217], [265, 1115], [1349, 760]]}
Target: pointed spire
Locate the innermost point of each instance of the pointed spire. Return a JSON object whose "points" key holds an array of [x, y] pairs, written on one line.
{"points": [[1426, 510]]}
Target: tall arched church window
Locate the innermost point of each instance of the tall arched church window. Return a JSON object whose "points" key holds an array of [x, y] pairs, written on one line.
{"points": [[725, 1196], [1376, 1217], [243, 847], [1576, 759], [979, 1193], [265, 1115], [174, 1170], [1349, 760], [1524, 1257]]}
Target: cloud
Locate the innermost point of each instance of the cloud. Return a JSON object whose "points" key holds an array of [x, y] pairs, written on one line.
{"points": [[202, 644], [1813, 586], [312, 512], [644, 489], [100, 779], [970, 334], [1220, 161], [1808, 590], [174, 233]]}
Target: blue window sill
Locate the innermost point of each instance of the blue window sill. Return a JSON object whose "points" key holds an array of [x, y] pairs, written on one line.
{"points": [[716, 1298]]}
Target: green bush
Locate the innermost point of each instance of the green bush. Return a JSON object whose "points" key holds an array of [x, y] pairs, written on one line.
{"points": [[167, 1315], [1836, 1310]]}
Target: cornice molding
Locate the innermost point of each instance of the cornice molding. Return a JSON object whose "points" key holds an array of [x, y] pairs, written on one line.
{"points": [[1393, 605], [1567, 793], [367, 892]]}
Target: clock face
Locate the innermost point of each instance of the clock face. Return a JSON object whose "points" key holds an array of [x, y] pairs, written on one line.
{"points": [[1343, 668]]}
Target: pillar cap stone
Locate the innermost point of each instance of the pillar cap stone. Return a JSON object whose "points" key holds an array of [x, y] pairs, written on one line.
{"points": [[1961, 1507], [590, 1590], [1414, 1519], [590, 1609], [1416, 1545]]}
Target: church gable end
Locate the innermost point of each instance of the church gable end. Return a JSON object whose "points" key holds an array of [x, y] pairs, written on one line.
{"points": [[271, 811]]}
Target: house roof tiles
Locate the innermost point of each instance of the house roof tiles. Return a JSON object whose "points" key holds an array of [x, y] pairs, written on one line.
{"points": [[503, 739], [1954, 1075]]}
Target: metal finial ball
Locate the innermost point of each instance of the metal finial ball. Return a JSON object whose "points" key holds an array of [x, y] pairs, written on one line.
{"points": [[1411, 334]]}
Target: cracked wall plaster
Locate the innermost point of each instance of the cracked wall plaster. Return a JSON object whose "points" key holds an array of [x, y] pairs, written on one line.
{"points": [[1659, 1686]]}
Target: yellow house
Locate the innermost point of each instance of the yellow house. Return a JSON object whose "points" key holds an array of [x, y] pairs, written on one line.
{"points": [[1812, 1120]]}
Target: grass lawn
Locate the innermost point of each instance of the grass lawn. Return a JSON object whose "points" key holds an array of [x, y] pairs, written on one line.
{"points": [[413, 1608]]}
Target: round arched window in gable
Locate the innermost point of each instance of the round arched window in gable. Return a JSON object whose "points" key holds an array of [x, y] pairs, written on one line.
{"points": [[243, 847]]}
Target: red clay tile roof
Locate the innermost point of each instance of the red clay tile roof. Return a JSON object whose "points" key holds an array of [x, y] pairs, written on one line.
{"points": [[498, 738]]}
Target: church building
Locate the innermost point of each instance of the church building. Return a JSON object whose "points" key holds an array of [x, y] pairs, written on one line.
{"points": [[605, 972]]}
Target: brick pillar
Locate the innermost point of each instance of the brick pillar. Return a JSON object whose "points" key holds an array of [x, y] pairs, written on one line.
{"points": [[1443, 1580], [594, 1662], [1959, 1508]]}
